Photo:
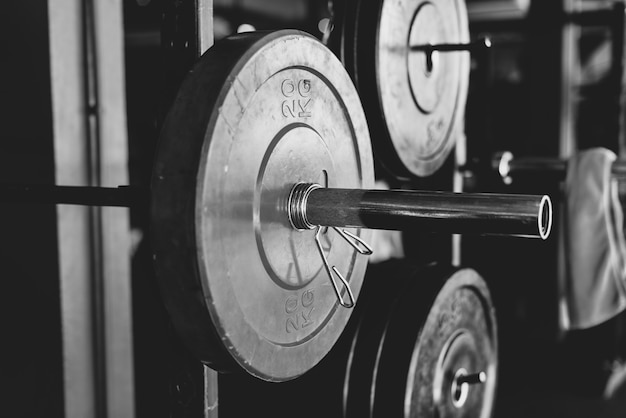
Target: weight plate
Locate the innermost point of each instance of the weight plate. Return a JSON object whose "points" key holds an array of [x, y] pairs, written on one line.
{"points": [[440, 328], [415, 110], [420, 365], [257, 114]]}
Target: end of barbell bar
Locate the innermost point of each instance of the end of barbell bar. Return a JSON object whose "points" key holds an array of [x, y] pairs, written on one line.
{"points": [[309, 205], [502, 163], [544, 219]]}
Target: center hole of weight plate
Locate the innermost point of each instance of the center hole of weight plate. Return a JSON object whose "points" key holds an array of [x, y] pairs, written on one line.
{"points": [[432, 58], [461, 385], [290, 257], [459, 390], [425, 66]]}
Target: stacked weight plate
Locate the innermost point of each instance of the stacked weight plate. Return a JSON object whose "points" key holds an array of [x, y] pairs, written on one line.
{"points": [[414, 100], [427, 349], [413, 342]]}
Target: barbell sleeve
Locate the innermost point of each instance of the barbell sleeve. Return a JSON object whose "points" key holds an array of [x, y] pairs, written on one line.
{"points": [[311, 205]]}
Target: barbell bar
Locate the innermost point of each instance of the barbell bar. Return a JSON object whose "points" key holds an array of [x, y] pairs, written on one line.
{"points": [[259, 114], [310, 205], [429, 49], [478, 45], [507, 165]]}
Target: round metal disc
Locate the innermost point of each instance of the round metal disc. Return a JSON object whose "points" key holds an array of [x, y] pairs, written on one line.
{"points": [[418, 372], [257, 114], [441, 326], [415, 107]]}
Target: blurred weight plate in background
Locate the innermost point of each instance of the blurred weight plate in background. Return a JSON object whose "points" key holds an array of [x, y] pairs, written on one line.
{"points": [[414, 100]]}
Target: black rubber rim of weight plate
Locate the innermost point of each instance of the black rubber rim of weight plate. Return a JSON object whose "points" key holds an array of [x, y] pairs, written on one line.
{"points": [[378, 295], [174, 241], [417, 302], [359, 36]]}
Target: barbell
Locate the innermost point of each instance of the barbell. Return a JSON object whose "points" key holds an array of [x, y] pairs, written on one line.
{"points": [[260, 200]]}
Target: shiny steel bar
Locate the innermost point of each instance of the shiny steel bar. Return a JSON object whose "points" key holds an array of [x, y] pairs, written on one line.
{"points": [[529, 216], [479, 44], [507, 165], [472, 379]]}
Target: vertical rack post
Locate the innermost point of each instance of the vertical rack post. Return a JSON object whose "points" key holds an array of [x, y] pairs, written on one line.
{"points": [[204, 31], [569, 75], [618, 31], [186, 33], [90, 146]]}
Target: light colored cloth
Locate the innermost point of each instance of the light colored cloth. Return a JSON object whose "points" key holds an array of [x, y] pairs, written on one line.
{"points": [[615, 388], [386, 245], [593, 278]]}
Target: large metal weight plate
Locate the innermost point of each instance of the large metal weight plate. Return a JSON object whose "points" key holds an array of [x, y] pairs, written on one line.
{"points": [[415, 107], [257, 114], [441, 327], [458, 336]]}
